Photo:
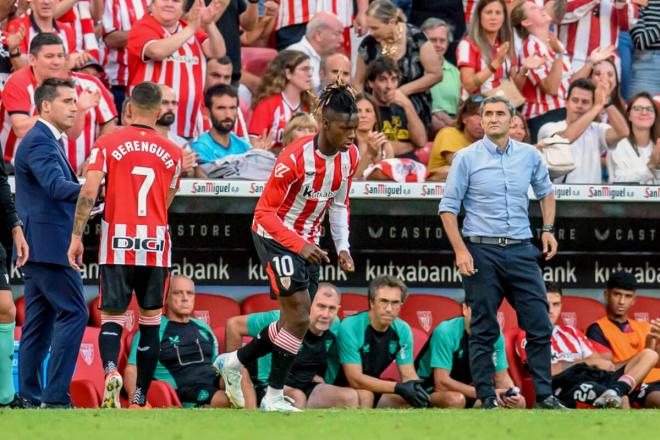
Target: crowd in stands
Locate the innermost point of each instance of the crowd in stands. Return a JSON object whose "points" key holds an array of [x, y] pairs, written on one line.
{"points": [[582, 75]]}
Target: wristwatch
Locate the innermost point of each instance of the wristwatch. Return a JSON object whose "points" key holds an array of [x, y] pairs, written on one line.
{"points": [[18, 223], [548, 228]]}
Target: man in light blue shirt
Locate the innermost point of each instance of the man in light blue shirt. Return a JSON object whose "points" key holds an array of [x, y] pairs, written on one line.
{"points": [[490, 178], [222, 105]]}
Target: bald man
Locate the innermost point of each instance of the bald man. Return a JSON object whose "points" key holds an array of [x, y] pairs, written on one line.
{"points": [[332, 66], [324, 36]]}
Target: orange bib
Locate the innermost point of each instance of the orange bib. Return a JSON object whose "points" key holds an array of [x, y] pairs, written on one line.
{"points": [[626, 345]]}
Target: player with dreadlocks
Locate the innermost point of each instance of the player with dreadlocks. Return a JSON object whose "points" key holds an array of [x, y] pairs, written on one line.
{"points": [[311, 176]]}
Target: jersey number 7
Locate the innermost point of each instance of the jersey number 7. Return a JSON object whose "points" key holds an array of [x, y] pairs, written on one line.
{"points": [[149, 177]]}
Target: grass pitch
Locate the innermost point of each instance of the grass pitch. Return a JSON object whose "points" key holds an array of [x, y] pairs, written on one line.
{"points": [[329, 424]]}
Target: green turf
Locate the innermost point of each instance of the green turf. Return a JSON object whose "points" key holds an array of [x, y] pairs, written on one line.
{"points": [[334, 424]]}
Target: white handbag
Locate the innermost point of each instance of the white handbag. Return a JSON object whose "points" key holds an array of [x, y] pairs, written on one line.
{"points": [[558, 156]]}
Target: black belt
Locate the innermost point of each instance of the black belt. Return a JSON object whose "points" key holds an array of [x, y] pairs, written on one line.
{"points": [[500, 241]]}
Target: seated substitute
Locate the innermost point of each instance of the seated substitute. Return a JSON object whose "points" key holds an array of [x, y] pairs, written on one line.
{"points": [[371, 340], [187, 348], [582, 377], [309, 382], [627, 337], [444, 365]]}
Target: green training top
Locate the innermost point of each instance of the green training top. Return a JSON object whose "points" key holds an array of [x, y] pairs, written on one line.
{"points": [[318, 355], [447, 349]]}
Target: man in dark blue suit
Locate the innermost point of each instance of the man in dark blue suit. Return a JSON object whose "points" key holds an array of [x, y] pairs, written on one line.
{"points": [[46, 194]]}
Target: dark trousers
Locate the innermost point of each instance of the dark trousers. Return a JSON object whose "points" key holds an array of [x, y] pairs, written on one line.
{"points": [[119, 94], [55, 317], [286, 36], [510, 272], [536, 123]]}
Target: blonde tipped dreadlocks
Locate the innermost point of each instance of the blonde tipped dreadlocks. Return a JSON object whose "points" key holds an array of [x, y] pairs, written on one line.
{"points": [[337, 96]]}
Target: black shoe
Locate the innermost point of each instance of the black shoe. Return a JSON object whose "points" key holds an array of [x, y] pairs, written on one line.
{"points": [[550, 402], [489, 403], [56, 406], [18, 403]]}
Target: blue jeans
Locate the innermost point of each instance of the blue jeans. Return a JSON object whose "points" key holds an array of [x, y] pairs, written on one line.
{"points": [[625, 50], [510, 272], [645, 78]]}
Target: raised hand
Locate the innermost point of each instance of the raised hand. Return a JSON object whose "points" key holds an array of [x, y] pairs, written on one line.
{"points": [[602, 94], [501, 54], [602, 53], [88, 98], [554, 44], [13, 40], [375, 140], [264, 142], [271, 8], [534, 62]]}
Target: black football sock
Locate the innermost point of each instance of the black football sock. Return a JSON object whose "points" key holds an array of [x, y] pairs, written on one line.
{"points": [[110, 345], [280, 367], [259, 346], [147, 359]]}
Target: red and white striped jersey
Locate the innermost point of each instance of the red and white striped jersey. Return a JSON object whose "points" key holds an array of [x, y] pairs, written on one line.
{"points": [[78, 150], [305, 184], [140, 167], [80, 19], [568, 345], [272, 114], [537, 101], [469, 8], [63, 30], [18, 98], [589, 24], [184, 70], [468, 54], [119, 15], [293, 12]]}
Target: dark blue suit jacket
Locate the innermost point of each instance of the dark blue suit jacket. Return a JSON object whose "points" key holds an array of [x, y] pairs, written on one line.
{"points": [[46, 194]]}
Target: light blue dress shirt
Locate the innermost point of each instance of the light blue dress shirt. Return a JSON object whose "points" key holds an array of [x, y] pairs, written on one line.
{"points": [[493, 186]]}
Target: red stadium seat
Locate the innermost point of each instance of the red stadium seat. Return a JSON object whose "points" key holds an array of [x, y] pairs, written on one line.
{"points": [[419, 340], [424, 153], [214, 310], [162, 395], [353, 303], [17, 332], [256, 59], [425, 312], [260, 302], [132, 314], [20, 310], [580, 312], [219, 333], [88, 378], [517, 370], [506, 316], [645, 308]]}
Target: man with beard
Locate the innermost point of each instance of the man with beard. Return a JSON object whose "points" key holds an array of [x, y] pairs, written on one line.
{"points": [[221, 103], [401, 123], [165, 120]]}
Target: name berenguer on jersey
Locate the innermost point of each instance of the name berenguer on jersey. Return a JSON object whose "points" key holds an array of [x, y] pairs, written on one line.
{"points": [[143, 146]]}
